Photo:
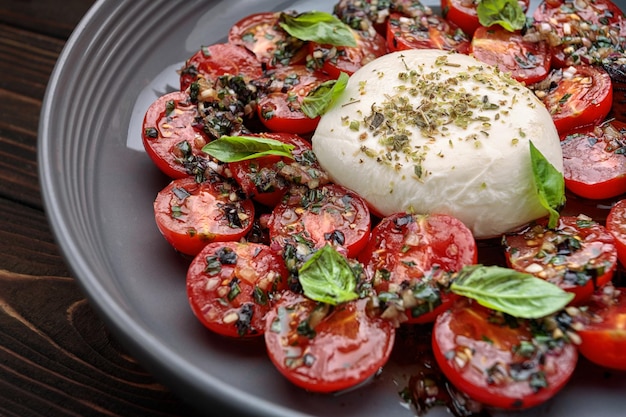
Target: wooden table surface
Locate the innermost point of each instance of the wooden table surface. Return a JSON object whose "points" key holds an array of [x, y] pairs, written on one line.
{"points": [[56, 356]]}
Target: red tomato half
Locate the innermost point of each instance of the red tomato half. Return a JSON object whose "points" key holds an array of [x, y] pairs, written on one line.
{"points": [[463, 13], [219, 59], [326, 351], [603, 337], [406, 253], [262, 34], [190, 215], [576, 96], [578, 255], [260, 178], [169, 137], [330, 213], [334, 60], [230, 286], [281, 95], [499, 363], [582, 32], [616, 225], [527, 62], [594, 161], [425, 32]]}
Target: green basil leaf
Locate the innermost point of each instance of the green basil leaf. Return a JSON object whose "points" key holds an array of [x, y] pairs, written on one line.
{"points": [[549, 183], [506, 13], [328, 278], [323, 96], [320, 27], [240, 148], [509, 291]]}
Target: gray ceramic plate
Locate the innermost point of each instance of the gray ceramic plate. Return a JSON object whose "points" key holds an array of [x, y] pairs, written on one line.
{"points": [[99, 185]]}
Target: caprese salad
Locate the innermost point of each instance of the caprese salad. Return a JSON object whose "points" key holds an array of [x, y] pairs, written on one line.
{"points": [[340, 180]]}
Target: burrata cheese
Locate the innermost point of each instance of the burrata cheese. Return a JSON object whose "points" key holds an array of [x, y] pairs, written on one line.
{"points": [[428, 131]]}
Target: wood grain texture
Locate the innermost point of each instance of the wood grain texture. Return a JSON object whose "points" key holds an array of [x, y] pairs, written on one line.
{"points": [[54, 18], [56, 356]]}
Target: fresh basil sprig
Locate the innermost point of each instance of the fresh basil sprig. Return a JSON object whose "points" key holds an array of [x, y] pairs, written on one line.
{"points": [[320, 27], [323, 96], [240, 148], [506, 13], [515, 293], [549, 183], [328, 278]]}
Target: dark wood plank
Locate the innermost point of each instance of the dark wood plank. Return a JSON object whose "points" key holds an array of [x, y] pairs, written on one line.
{"points": [[18, 148], [56, 355], [26, 243], [26, 62], [57, 358], [54, 18]]}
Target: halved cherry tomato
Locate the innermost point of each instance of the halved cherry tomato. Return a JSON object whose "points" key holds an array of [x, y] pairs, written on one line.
{"points": [[425, 32], [230, 286], [578, 255], [616, 225], [190, 215], [576, 96], [334, 60], [527, 62], [330, 213], [501, 362], [463, 13], [406, 255], [326, 349], [594, 161], [581, 32], [169, 136], [603, 334], [280, 98], [219, 59], [260, 178], [272, 45]]}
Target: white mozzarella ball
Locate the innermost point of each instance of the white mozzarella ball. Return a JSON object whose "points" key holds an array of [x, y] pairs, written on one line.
{"points": [[430, 131]]}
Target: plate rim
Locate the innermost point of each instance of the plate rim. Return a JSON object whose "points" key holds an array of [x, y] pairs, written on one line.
{"points": [[176, 374]]}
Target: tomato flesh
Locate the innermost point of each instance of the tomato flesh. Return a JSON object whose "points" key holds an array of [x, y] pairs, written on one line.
{"points": [[333, 60], [603, 337], [497, 363], [424, 32], [463, 13], [589, 32], [219, 59], [616, 225], [260, 178], [230, 286], [409, 252], [331, 213], [576, 96], [342, 349], [190, 215], [169, 136], [594, 161], [262, 34], [527, 62], [578, 255], [280, 106]]}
